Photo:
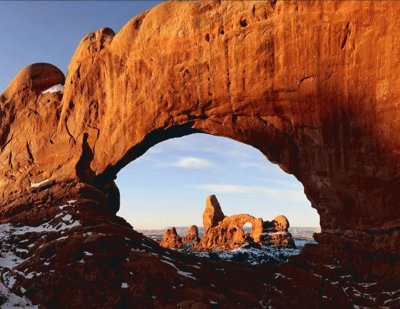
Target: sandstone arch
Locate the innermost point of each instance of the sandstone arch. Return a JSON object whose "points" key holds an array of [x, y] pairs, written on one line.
{"points": [[229, 232], [296, 80]]}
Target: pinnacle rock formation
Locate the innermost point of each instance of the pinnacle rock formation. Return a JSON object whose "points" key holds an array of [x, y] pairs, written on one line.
{"points": [[212, 214], [314, 85], [171, 239]]}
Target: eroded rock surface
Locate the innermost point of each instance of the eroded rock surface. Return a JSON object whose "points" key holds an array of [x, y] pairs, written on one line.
{"points": [[297, 80], [171, 239], [276, 233]]}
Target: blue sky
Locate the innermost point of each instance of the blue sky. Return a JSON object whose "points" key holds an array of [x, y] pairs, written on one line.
{"points": [[169, 184], [49, 31]]}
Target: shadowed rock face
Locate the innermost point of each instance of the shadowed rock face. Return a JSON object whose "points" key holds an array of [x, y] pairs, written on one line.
{"points": [[297, 80]]}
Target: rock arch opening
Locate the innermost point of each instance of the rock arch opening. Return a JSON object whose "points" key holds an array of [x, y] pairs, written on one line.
{"points": [[167, 187]]}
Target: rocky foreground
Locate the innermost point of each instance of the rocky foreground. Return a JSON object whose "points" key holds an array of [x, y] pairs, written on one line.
{"points": [[109, 265]]}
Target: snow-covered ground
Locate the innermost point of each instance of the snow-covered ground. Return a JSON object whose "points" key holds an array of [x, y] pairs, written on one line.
{"points": [[253, 256], [16, 241]]}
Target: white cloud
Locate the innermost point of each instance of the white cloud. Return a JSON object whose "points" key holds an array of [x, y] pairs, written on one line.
{"points": [[193, 162], [295, 195]]}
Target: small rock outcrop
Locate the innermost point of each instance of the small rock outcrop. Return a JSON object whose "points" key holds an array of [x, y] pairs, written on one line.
{"points": [[192, 236], [276, 233], [171, 239]]}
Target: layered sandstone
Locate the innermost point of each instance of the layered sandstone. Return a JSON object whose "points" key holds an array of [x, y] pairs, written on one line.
{"points": [[297, 80]]}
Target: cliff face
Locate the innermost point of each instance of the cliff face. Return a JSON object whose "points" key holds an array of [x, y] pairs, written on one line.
{"points": [[313, 85]]}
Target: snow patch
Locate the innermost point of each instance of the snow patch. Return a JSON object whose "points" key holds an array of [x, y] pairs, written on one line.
{"points": [[367, 284], [54, 89], [279, 275], [67, 217], [14, 301], [253, 256], [180, 272], [38, 184]]}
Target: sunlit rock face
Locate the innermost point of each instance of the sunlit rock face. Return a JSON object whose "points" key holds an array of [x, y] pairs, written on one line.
{"points": [[313, 85], [171, 239], [227, 232]]}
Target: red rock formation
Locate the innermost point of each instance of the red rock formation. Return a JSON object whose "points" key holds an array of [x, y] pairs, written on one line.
{"points": [[212, 214], [192, 236], [297, 80], [227, 232], [171, 239], [276, 233], [281, 223]]}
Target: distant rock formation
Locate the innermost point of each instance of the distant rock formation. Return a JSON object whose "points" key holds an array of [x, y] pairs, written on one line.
{"points": [[226, 232], [192, 236], [276, 233], [171, 239], [212, 214], [229, 234]]}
